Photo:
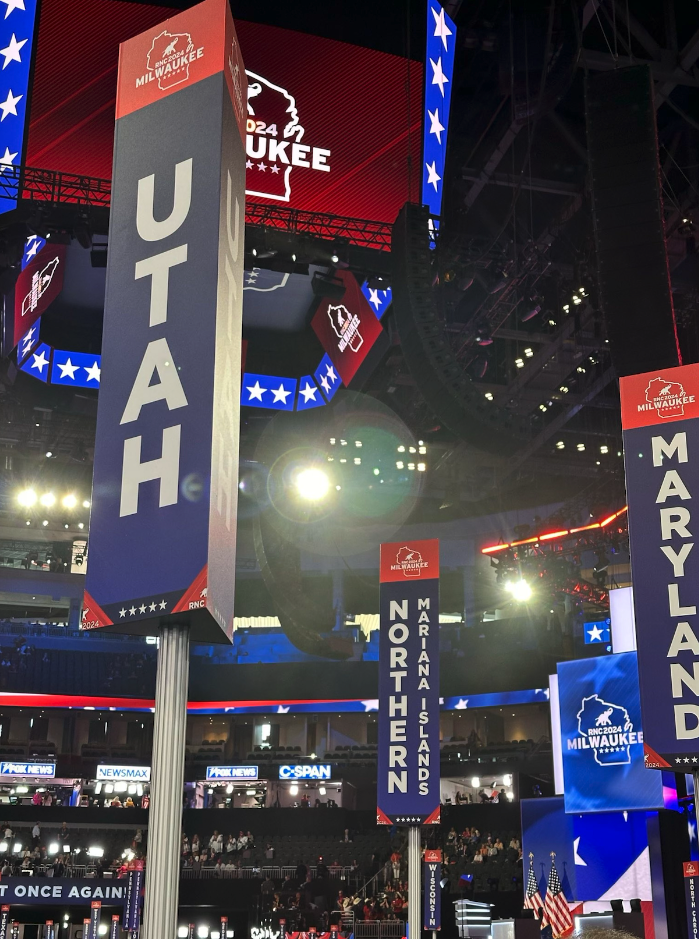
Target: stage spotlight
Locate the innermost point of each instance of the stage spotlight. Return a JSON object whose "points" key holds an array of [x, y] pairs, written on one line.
{"points": [[27, 498], [475, 782], [520, 590], [312, 484], [293, 790], [48, 499], [86, 503], [69, 501]]}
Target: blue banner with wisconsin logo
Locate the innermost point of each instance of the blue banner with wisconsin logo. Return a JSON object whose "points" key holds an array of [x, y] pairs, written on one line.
{"points": [[602, 737]]}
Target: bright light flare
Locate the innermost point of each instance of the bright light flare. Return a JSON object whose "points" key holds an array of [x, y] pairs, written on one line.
{"points": [[69, 501], [312, 484], [48, 499], [520, 590], [27, 498]]}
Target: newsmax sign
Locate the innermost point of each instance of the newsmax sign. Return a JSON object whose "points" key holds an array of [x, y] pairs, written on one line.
{"points": [[408, 755], [660, 421]]}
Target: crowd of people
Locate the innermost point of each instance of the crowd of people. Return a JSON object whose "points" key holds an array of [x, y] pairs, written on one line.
{"points": [[219, 852], [65, 853], [473, 847]]}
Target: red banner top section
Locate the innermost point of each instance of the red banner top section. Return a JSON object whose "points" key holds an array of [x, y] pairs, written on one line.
{"points": [[670, 394], [690, 868], [409, 560], [433, 856], [179, 52]]}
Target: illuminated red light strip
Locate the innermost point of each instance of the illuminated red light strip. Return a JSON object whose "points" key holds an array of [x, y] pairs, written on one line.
{"points": [[551, 535]]}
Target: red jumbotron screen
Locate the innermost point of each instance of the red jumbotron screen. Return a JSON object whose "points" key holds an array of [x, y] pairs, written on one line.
{"points": [[329, 127]]}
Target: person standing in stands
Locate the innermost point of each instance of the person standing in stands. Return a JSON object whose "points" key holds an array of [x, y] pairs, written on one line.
{"points": [[301, 872], [396, 858]]}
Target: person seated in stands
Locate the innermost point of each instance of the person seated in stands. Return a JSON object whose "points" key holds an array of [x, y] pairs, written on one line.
{"points": [[129, 804], [251, 840], [242, 841], [514, 843], [196, 847], [269, 852], [231, 845], [138, 840], [451, 837], [397, 904], [116, 803], [499, 845], [336, 866], [218, 868], [492, 849], [478, 857], [368, 911]]}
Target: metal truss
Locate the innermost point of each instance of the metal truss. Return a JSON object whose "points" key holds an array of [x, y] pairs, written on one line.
{"points": [[26, 185]]}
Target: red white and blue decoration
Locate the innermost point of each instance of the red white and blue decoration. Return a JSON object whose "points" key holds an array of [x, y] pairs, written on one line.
{"points": [[28, 341], [268, 391], [379, 299], [439, 72], [38, 362], [17, 22], [77, 369], [33, 246]]}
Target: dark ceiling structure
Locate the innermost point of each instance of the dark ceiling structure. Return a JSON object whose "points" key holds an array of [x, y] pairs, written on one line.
{"points": [[513, 283]]}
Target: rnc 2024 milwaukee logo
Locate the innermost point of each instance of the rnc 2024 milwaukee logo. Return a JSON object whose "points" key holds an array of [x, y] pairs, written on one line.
{"points": [[168, 60], [346, 327], [410, 562], [668, 398], [607, 730]]}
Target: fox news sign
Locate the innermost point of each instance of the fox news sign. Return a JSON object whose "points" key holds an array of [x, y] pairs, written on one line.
{"points": [[46, 770], [231, 772], [408, 755], [163, 525], [660, 420]]}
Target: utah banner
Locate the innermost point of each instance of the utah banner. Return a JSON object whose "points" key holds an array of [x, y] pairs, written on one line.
{"points": [[408, 756], [164, 501], [660, 421]]}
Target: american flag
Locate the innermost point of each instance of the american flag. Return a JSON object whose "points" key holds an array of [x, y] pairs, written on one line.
{"points": [[556, 910], [532, 898]]}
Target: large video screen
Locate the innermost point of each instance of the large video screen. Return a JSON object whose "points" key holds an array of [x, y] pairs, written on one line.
{"points": [[330, 125]]}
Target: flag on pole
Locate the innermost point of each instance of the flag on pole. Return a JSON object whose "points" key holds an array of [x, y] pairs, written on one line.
{"points": [[532, 898], [556, 910]]}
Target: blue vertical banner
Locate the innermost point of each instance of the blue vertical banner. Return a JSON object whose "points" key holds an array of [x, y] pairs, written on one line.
{"points": [[691, 896], [408, 755], [224, 927], [132, 907], [602, 736], [166, 447], [5, 922], [439, 75], [660, 422], [433, 889], [114, 928], [95, 918], [17, 27]]}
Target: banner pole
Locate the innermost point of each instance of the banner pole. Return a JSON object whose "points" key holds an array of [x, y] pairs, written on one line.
{"points": [[414, 882], [167, 781]]}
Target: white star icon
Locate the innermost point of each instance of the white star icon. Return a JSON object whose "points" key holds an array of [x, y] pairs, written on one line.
{"points": [[132, 611], [462, 704], [142, 608], [13, 5], [440, 27], [438, 76], [372, 704], [374, 298], [330, 372], [282, 710], [256, 391], [35, 243], [6, 159], [432, 176], [262, 167], [248, 164], [326, 384], [275, 169], [309, 393], [678, 760], [436, 127], [9, 105], [595, 634], [11, 51], [152, 607], [67, 368], [686, 759], [40, 361], [280, 394], [122, 613], [162, 604], [93, 372]]}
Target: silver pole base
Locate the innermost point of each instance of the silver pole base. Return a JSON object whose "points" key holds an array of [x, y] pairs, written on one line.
{"points": [[414, 883], [162, 876]]}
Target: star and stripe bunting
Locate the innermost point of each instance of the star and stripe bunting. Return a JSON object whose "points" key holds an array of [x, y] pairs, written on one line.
{"points": [[33, 245], [77, 369], [28, 341], [379, 300], [38, 362], [268, 391], [309, 394], [556, 909], [17, 23], [439, 72], [327, 377]]}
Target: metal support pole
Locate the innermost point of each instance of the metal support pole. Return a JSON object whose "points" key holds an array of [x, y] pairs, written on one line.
{"points": [[167, 782], [414, 882]]}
